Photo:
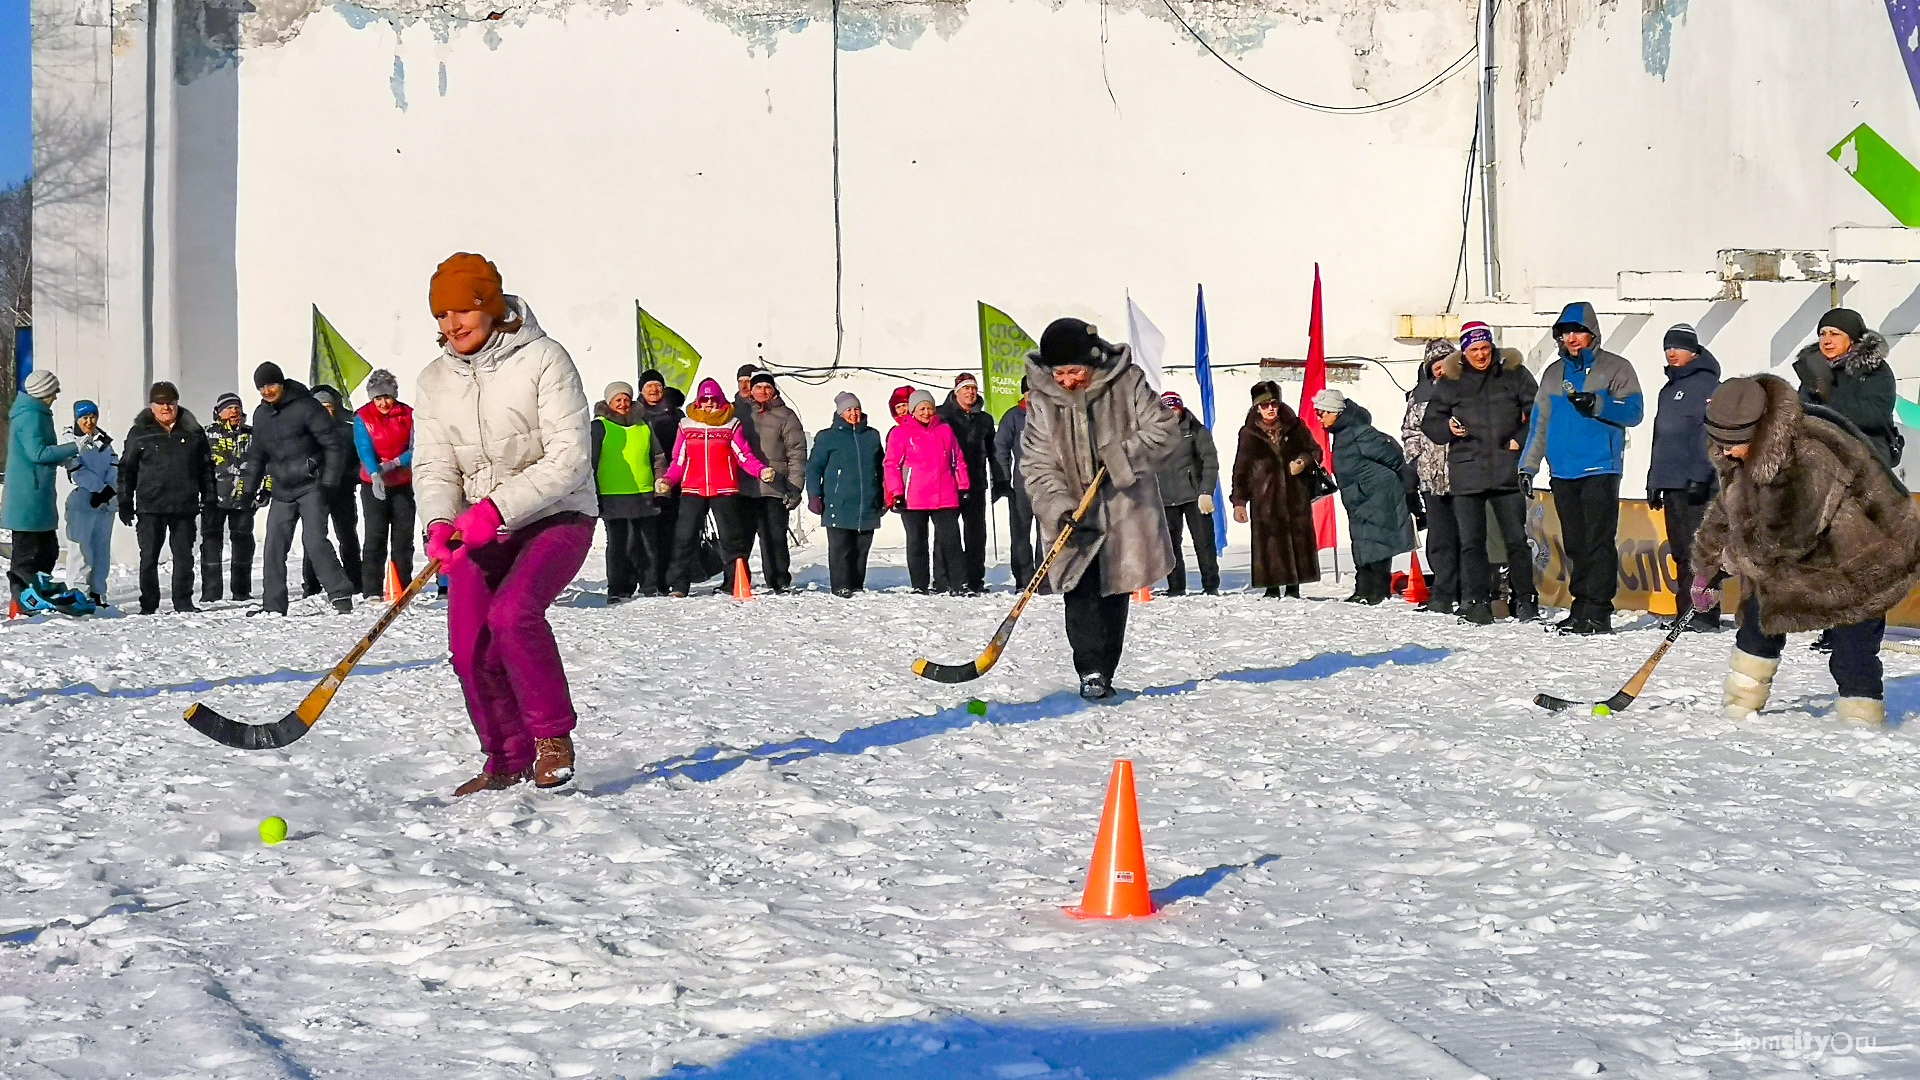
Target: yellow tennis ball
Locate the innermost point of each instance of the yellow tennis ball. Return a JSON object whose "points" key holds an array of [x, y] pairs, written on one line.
{"points": [[273, 829], [1602, 710]]}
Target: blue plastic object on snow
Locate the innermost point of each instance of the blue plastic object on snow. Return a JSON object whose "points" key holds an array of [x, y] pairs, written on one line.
{"points": [[45, 594]]}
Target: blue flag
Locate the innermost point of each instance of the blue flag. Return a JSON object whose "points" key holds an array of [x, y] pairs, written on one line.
{"points": [[1203, 371]]}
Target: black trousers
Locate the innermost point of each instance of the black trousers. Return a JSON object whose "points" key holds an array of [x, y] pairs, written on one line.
{"points": [[216, 528], [1373, 580], [631, 556], [1025, 538], [1589, 510], [344, 512], [662, 526], [948, 570], [733, 527], [1096, 624], [34, 553], [1443, 546], [1470, 521], [309, 514], [973, 537], [766, 516], [173, 531], [1683, 520], [389, 535], [1855, 662], [1188, 515], [847, 558]]}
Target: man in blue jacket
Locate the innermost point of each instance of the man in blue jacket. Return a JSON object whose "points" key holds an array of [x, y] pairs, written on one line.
{"points": [[1588, 399]]}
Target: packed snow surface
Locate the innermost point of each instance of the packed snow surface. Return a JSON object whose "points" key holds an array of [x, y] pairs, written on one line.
{"points": [[785, 856]]}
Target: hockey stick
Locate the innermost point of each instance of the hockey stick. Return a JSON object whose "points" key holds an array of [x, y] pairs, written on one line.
{"points": [[297, 723], [980, 665], [1634, 685]]}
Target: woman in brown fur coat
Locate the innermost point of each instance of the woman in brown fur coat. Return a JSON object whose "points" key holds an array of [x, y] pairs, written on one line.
{"points": [[1275, 450], [1818, 529]]}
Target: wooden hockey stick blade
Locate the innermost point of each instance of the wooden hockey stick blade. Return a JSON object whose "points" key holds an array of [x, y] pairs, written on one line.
{"points": [[291, 727], [1634, 685], [989, 656], [1553, 704]]}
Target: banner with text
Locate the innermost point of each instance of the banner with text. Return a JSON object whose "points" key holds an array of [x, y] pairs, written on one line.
{"points": [[666, 352], [1003, 358]]}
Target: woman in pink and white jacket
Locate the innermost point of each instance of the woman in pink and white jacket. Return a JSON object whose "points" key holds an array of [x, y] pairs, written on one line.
{"points": [[925, 474], [708, 450]]}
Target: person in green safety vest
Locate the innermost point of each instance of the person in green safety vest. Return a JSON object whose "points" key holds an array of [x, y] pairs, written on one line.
{"points": [[626, 459]]}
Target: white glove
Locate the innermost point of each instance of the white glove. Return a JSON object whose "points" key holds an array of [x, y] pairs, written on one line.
{"points": [[1206, 505], [379, 485]]}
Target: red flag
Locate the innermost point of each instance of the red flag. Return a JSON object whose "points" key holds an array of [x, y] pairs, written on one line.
{"points": [[1315, 380]]}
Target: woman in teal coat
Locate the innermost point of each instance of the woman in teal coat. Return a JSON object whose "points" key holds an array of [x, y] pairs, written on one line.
{"points": [[27, 503], [844, 487], [1367, 465]]}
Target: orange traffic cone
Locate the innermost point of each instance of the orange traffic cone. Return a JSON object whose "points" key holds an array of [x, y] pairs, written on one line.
{"points": [[394, 588], [742, 581], [1143, 595], [13, 608], [1117, 876], [1417, 591]]}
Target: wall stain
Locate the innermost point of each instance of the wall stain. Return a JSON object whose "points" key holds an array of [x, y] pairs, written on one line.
{"points": [[1656, 33], [399, 84]]}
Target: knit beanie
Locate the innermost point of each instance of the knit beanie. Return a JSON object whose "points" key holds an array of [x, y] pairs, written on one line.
{"points": [[746, 371], [652, 375], [1438, 349], [614, 389], [898, 398], [327, 395], [1847, 321], [164, 393], [760, 378], [1330, 400], [1734, 410], [1171, 400], [1070, 341], [83, 407], [844, 401], [467, 282], [709, 391], [918, 396], [964, 377], [41, 384], [266, 375], [1682, 336], [1472, 333], [220, 403], [382, 384]]}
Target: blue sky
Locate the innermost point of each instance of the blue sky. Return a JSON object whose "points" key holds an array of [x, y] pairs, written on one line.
{"points": [[16, 92]]}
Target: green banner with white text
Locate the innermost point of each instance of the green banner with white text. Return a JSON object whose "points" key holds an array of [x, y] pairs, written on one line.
{"points": [[1003, 359], [666, 352]]}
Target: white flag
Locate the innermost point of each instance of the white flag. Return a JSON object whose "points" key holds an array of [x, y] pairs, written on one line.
{"points": [[1149, 344]]}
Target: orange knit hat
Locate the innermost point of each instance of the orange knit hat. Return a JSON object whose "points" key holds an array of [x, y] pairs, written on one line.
{"points": [[467, 282]]}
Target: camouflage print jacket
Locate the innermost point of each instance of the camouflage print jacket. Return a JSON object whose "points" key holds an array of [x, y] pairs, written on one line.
{"points": [[229, 443]]}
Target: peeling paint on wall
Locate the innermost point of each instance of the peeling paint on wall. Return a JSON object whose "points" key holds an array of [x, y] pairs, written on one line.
{"points": [[399, 84], [1656, 33], [1543, 38]]}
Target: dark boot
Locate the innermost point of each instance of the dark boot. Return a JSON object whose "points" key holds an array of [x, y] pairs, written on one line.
{"points": [[1094, 687], [1705, 622], [1477, 614], [1526, 609]]}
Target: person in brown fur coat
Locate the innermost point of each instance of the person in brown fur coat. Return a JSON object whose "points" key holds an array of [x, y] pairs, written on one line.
{"points": [[1269, 486], [1818, 529]]}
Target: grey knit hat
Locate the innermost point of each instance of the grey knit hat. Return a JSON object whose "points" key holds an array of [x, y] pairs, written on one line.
{"points": [[41, 384], [844, 401], [382, 384], [616, 388], [914, 399], [1330, 400]]}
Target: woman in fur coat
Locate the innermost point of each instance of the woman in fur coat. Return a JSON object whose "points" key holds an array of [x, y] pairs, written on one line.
{"points": [[1818, 529], [1275, 451]]}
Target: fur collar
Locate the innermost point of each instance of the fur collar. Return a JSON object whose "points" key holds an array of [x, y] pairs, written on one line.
{"points": [[1867, 353], [711, 417], [1456, 362]]}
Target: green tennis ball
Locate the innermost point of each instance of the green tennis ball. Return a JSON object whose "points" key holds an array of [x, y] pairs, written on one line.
{"points": [[977, 707], [273, 830], [1602, 710]]}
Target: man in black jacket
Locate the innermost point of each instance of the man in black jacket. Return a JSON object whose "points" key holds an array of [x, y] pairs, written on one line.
{"points": [[1479, 413], [1020, 523], [166, 479], [1186, 487], [343, 504], [972, 425], [305, 453], [656, 410], [1680, 478], [230, 518]]}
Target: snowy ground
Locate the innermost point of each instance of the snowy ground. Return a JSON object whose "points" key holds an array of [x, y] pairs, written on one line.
{"points": [[787, 857]]}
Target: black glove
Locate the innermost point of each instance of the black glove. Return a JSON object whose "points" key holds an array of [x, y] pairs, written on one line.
{"points": [[1699, 492], [899, 504], [126, 512], [1656, 499], [1526, 485], [1585, 404], [1420, 522], [817, 505], [791, 499], [262, 498], [101, 498]]}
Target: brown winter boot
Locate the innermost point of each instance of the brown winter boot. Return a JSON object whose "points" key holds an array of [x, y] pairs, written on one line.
{"points": [[492, 781], [552, 761]]}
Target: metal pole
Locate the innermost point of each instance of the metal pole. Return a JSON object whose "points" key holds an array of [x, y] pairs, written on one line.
{"points": [[149, 182], [1489, 218]]}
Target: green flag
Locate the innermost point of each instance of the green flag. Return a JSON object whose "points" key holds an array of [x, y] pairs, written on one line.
{"points": [[334, 361], [1886, 174], [666, 352], [1003, 358]]}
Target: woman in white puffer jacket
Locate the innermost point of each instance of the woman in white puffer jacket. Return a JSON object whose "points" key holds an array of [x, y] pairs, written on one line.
{"points": [[503, 478]]}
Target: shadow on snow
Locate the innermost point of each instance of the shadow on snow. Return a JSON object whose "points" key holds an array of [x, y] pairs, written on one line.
{"points": [[199, 686], [1200, 884], [707, 763], [964, 1049]]}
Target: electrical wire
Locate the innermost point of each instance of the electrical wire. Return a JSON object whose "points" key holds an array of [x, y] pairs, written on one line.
{"points": [[1466, 211], [1446, 73]]}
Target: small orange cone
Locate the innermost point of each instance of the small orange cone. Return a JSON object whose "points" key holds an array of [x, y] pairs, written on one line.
{"points": [[13, 608], [742, 581], [394, 588], [1143, 595], [1117, 876], [1417, 591]]}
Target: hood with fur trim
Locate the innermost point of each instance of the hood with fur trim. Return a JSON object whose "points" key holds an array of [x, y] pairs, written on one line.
{"points": [[1859, 361]]}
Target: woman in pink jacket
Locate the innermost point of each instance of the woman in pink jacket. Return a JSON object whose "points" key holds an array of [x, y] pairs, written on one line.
{"points": [[708, 450], [925, 474]]}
